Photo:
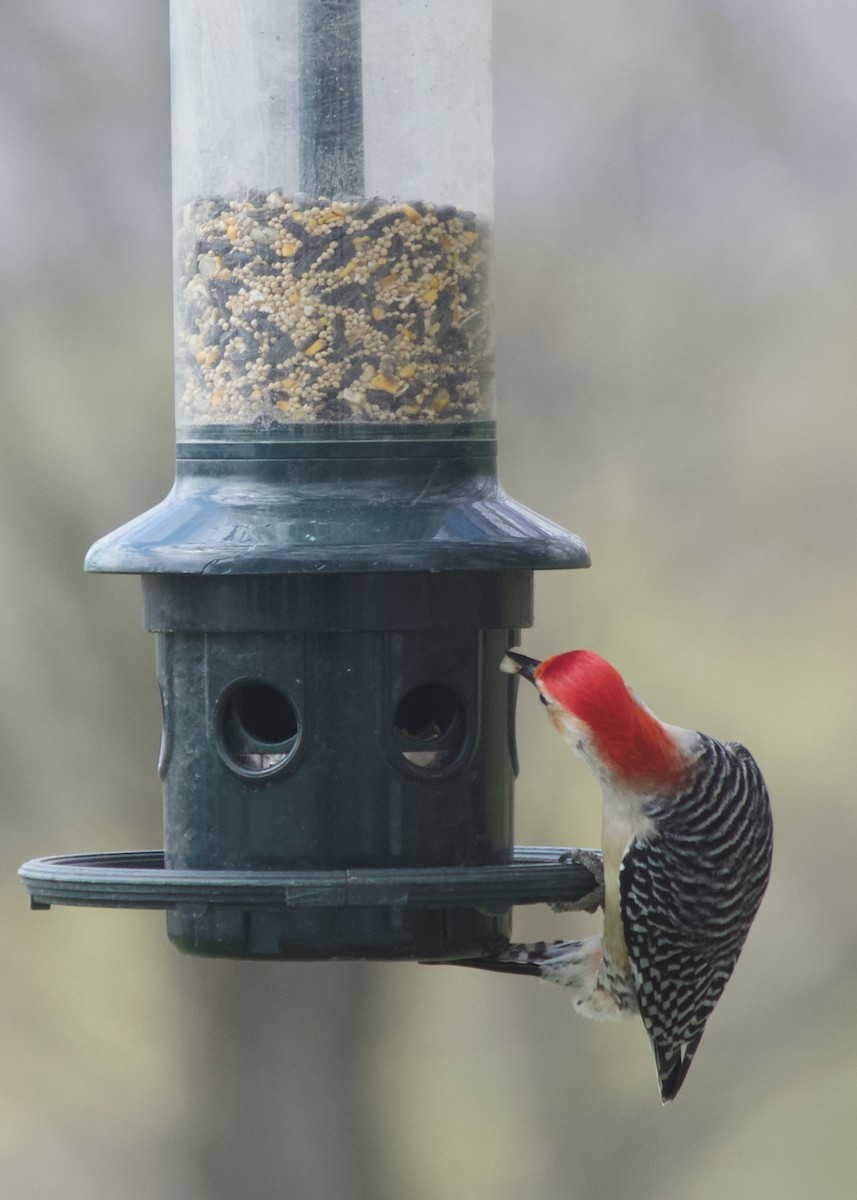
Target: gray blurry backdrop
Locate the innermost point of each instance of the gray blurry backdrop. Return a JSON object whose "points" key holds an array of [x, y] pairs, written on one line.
{"points": [[676, 300]]}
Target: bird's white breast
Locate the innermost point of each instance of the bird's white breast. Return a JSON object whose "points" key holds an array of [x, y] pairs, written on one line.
{"points": [[622, 821]]}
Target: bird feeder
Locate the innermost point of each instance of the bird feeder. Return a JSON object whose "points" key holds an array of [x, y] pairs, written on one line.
{"points": [[336, 573]]}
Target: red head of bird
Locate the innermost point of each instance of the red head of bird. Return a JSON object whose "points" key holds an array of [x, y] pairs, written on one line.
{"points": [[604, 721]]}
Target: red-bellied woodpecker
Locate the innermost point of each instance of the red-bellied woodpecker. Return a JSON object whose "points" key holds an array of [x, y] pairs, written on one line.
{"points": [[686, 846]]}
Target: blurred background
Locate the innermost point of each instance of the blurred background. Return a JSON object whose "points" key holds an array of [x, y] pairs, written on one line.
{"points": [[676, 304]]}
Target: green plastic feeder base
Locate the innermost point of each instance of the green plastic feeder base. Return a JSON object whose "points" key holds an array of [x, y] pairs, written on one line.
{"points": [[426, 914], [331, 606]]}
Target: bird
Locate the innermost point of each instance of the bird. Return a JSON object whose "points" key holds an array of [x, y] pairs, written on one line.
{"points": [[687, 839]]}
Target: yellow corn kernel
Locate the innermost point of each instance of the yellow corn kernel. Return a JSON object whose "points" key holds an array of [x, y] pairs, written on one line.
{"points": [[430, 296], [293, 297], [314, 348], [378, 312], [408, 371], [385, 383], [345, 271], [411, 213], [232, 231], [217, 399], [439, 401], [288, 248]]}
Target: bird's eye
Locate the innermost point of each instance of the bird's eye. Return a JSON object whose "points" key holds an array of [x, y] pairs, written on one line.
{"points": [[544, 699]]}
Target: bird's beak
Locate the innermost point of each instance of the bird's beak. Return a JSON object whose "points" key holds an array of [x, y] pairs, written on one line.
{"points": [[515, 663]]}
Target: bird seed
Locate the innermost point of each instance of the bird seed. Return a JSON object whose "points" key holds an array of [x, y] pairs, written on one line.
{"points": [[292, 309]]}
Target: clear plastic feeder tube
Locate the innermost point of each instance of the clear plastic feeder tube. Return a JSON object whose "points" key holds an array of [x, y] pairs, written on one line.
{"points": [[332, 179]]}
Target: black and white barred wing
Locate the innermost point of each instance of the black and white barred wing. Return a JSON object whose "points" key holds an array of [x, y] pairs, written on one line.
{"points": [[689, 896]]}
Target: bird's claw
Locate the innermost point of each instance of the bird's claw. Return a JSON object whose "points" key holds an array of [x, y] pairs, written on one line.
{"points": [[592, 901]]}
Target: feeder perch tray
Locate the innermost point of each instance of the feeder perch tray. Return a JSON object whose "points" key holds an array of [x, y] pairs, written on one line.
{"points": [[139, 879]]}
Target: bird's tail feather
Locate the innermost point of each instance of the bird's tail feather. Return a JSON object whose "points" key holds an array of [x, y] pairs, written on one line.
{"points": [[520, 958]]}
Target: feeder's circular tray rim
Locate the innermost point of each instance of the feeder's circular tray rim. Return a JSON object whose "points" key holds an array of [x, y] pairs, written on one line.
{"points": [[139, 879]]}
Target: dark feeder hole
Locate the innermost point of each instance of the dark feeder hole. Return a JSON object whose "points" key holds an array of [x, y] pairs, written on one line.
{"points": [[431, 723], [337, 572], [257, 727]]}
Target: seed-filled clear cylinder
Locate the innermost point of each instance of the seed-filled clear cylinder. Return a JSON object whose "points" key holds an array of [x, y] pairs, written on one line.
{"points": [[332, 182]]}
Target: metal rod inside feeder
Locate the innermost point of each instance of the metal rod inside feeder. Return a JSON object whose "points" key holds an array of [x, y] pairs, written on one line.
{"points": [[331, 98]]}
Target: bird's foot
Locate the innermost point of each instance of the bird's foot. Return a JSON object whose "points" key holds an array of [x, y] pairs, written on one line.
{"points": [[592, 901]]}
